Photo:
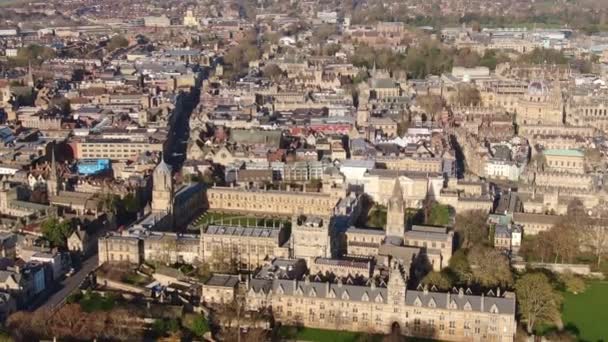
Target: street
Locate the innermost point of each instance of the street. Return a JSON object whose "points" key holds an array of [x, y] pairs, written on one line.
{"points": [[67, 285]]}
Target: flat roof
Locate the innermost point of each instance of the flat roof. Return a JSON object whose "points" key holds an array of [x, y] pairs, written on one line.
{"points": [[564, 153]]}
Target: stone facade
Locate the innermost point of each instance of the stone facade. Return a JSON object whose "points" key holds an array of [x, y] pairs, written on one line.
{"points": [[249, 247], [272, 201], [379, 306]]}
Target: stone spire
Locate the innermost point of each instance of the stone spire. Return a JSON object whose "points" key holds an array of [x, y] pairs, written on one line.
{"points": [[395, 214], [53, 183]]}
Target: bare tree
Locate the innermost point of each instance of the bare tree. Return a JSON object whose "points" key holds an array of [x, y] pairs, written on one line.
{"points": [[595, 237]]}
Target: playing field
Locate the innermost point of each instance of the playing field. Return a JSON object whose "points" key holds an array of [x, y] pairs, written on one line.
{"points": [[586, 315]]}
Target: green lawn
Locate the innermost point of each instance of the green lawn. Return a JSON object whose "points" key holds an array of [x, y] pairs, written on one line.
{"points": [[586, 314], [320, 335], [238, 219]]}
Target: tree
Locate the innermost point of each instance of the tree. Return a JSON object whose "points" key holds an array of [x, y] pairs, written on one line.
{"points": [[538, 302], [543, 56], [460, 269], [439, 215], [117, 42], [594, 158], [563, 240], [489, 267], [273, 72], [56, 231], [472, 228], [131, 203], [34, 54], [438, 279], [467, 95], [466, 58], [572, 283], [198, 325], [431, 104], [594, 236]]}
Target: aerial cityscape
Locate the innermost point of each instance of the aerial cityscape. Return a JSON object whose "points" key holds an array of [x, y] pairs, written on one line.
{"points": [[304, 170]]}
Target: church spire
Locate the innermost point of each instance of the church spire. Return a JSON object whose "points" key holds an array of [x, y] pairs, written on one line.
{"points": [[53, 184], [395, 213], [397, 191], [53, 164]]}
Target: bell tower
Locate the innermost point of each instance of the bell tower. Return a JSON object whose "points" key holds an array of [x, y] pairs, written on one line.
{"points": [[162, 188]]}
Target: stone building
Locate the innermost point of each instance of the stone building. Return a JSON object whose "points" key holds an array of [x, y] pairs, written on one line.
{"points": [[589, 110], [540, 105], [278, 202], [220, 289], [162, 188], [437, 243], [120, 249], [248, 247], [572, 161], [377, 306], [313, 237], [342, 268], [171, 248], [395, 215]]}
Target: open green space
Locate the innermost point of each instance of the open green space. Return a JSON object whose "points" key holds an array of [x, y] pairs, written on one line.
{"points": [[238, 219], [585, 314], [92, 301], [321, 335]]}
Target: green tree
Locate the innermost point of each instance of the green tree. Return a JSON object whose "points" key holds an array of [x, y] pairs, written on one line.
{"points": [[117, 42], [438, 279], [198, 325], [538, 303], [56, 231], [439, 215], [131, 203], [460, 269]]}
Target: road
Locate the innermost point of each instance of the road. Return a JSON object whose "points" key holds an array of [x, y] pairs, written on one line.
{"points": [[179, 127], [67, 285]]}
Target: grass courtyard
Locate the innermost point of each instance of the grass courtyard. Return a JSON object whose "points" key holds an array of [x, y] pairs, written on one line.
{"points": [[238, 219], [585, 314]]}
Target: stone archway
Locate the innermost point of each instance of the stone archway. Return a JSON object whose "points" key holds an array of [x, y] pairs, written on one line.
{"points": [[396, 329]]}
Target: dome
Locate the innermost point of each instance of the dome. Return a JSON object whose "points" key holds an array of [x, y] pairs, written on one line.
{"points": [[537, 88]]}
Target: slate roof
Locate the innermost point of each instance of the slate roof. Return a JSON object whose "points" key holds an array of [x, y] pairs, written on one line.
{"points": [[263, 232], [460, 301]]}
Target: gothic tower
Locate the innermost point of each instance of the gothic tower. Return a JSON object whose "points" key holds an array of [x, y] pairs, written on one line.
{"points": [[396, 286], [162, 188], [395, 214], [53, 184]]}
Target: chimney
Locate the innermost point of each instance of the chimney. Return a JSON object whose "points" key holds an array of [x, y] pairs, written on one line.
{"points": [[482, 301]]}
